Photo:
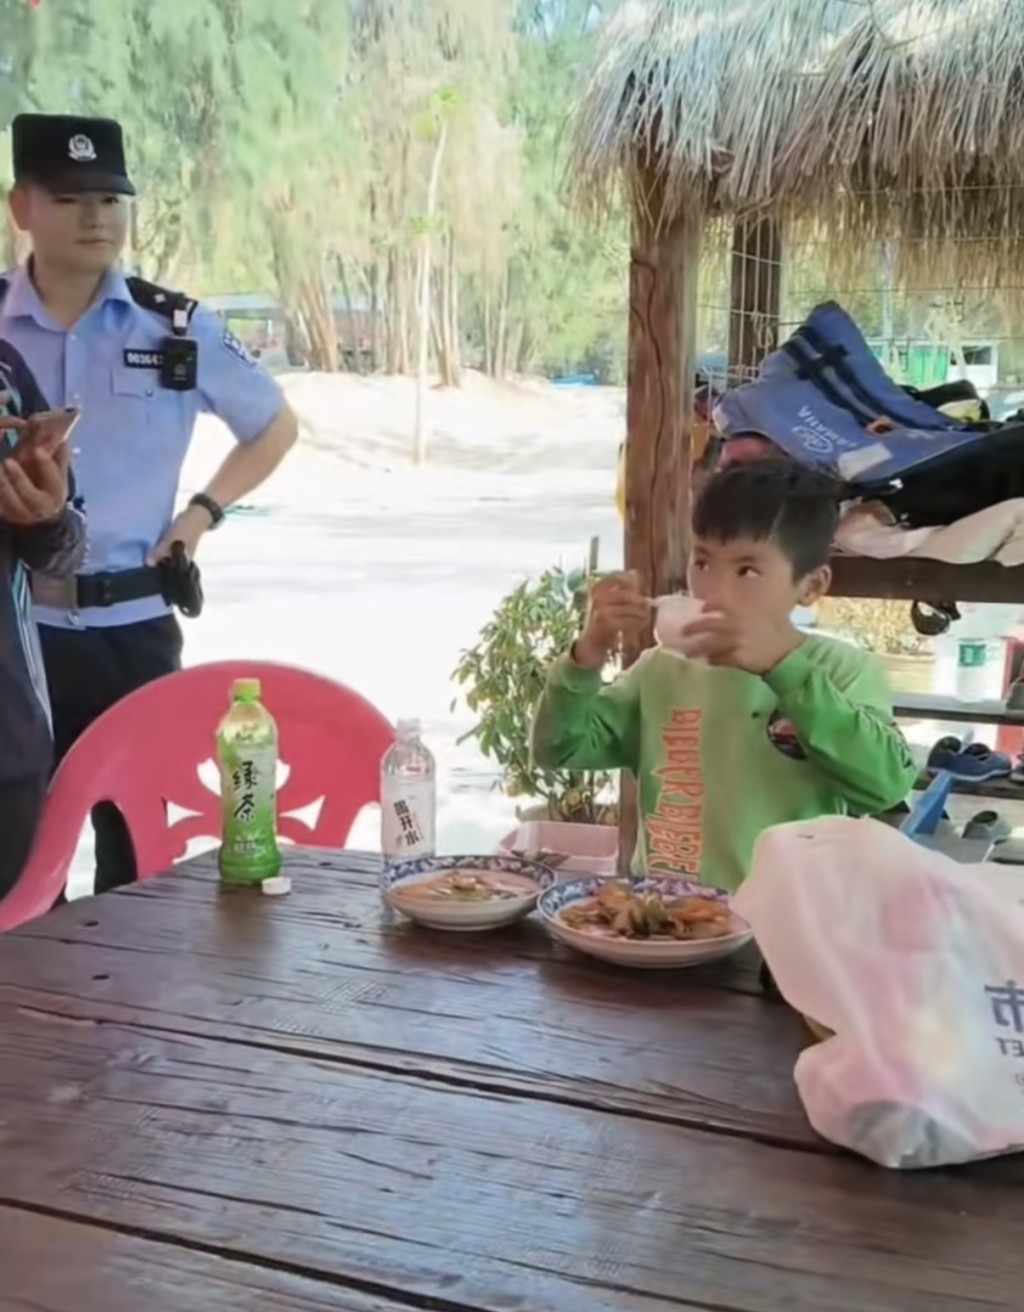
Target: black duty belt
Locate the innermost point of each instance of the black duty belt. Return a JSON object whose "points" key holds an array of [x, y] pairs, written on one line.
{"points": [[177, 580], [113, 588]]}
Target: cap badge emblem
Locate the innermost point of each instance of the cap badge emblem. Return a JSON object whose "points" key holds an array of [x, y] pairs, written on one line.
{"points": [[81, 149]]}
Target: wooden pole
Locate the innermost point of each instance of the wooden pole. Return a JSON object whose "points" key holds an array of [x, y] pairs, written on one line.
{"points": [[754, 294], [659, 420]]}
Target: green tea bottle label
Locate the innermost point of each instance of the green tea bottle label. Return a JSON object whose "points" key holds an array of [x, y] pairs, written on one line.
{"points": [[247, 754]]}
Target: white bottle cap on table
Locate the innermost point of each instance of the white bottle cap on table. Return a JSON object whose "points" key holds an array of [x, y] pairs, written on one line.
{"points": [[277, 887]]}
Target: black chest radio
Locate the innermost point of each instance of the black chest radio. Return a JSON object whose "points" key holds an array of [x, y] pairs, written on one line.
{"points": [[180, 369]]}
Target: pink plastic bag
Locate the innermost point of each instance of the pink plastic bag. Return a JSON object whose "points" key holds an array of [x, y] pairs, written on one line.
{"points": [[916, 964]]}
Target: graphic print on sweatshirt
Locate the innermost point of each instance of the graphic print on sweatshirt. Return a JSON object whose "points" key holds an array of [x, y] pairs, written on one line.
{"points": [[675, 829], [783, 737]]}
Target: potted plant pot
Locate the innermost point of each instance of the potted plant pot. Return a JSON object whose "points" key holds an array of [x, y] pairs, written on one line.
{"points": [[570, 849]]}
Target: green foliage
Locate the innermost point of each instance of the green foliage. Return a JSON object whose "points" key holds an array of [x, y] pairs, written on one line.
{"points": [[287, 146], [503, 677]]}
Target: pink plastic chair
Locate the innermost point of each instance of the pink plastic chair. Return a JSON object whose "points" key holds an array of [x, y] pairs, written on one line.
{"points": [[147, 750]]}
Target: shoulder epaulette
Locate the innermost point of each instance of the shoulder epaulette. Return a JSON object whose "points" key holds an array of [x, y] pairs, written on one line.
{"points": [[149, 296], [161, 300]]}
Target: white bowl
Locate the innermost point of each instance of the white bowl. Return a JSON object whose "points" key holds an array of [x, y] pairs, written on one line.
{"points": [[672, 614], [643, 954], [464, 917]]}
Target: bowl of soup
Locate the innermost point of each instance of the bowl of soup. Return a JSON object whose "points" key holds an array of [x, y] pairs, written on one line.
{"points": [[466, 893]]}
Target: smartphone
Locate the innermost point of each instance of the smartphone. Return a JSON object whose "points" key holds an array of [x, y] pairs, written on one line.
{"points": [[46, 431]]}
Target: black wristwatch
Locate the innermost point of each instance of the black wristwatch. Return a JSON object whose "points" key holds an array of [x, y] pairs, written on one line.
{"points": [[215, 511]]}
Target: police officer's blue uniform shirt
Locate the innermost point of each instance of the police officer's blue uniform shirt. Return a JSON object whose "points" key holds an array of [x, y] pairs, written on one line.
{"points": [[133, 435]]}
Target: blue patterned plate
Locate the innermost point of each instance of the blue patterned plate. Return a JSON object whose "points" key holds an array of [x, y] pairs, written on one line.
{"points": [[404, 882], [651, 954]]}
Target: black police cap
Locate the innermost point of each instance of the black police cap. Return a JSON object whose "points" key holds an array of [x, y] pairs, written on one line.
{"points": [[67, 155]]}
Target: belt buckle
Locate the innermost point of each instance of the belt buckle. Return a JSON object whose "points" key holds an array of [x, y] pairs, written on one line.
{"points": [[104, 586], [57, 592]]}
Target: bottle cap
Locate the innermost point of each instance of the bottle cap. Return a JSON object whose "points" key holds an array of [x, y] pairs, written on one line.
{"points": [[276, 887], [408, 729], [246, 690]]}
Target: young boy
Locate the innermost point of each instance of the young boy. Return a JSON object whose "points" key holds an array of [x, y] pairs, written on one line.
{"points": [[39, 531], [772, 726]]}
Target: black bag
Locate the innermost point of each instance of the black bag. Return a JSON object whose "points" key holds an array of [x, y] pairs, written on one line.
{"points": [[957, 484]]}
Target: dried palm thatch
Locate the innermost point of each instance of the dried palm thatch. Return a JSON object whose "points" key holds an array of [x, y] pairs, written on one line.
{"points": [[877, 120]]}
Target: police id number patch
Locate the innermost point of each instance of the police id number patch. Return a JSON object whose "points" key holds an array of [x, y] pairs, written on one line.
{"points": [[238, 348], [137, 359]]}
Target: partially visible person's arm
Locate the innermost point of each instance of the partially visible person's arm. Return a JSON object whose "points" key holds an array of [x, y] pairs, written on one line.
{"points": [[583, 724], [56, 547], [238, 390], [845, 725]]}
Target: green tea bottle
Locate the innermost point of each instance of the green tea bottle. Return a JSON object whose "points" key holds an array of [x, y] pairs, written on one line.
{"points": [[247, 756]]}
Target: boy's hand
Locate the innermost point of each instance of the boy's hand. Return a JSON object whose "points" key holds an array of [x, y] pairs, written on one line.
{"points": [[744, 642], [616, 606]]}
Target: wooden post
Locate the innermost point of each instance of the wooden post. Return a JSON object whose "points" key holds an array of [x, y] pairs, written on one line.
{"points": [[659, 421], [754, 294]]}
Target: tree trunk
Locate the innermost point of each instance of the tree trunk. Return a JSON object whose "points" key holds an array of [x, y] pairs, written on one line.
{"points": [[446, 328], [349, 340], [392, 312], [405, 312], [317, 310], [501, 333], [423, 353], [453, 354], [490, 361], [437, 321], [523, 356], [375, 314]]}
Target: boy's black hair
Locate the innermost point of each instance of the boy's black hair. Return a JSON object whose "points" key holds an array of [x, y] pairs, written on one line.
{"points": [[777, 500]]}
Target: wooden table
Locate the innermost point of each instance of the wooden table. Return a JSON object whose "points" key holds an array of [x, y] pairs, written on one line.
{"points": [[215, 1102]]}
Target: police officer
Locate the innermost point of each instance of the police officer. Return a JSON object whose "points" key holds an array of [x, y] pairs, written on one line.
{"points": [[141, 362]]}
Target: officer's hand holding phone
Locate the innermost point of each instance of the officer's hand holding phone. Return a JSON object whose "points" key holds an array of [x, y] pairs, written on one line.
{"points": [[34, 488]]}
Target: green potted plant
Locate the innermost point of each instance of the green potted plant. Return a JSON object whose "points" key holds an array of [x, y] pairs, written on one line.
{"points": [[567, 813]]}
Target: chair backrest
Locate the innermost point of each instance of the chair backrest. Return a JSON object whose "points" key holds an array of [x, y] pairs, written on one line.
{"points": [[147, 751]]}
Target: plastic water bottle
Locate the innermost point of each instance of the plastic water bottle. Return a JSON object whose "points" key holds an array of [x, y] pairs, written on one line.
{"points": [[408, 797], [247, 756], [973, 670]]}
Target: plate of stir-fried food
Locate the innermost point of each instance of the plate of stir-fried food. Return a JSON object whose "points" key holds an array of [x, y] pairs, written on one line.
{"points": [[654, 923]]}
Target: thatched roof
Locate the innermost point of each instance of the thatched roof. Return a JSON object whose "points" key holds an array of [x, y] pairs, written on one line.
{"points": [[879, 118]]}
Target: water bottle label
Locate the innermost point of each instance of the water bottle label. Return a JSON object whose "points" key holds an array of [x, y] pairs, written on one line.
{"points": [[972, 655], [407, 822]]}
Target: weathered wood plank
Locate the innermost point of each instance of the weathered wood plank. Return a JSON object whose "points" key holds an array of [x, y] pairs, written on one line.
{"points": [[659, 404], [340, 889], [51, 1265], [463, 1201], [925, 580], [318, 973], [663, 274]]}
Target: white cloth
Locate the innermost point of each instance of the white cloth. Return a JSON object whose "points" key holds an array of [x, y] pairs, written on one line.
{"points": [[996, 533]]}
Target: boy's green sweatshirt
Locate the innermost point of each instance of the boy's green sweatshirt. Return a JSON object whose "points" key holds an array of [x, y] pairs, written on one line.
{"points": [[719, 755]]}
